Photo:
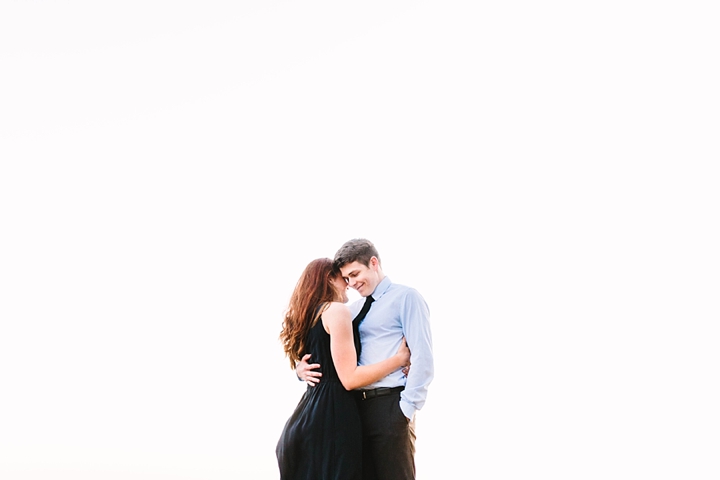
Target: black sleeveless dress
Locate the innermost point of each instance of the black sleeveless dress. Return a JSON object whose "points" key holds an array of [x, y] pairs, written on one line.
{"points": [[322, 440]]}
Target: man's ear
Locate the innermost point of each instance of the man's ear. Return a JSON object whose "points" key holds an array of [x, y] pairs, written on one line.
{"points": [[374, 262]]}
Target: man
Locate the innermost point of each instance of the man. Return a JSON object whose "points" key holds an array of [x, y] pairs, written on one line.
{"points": [[388, 407]]}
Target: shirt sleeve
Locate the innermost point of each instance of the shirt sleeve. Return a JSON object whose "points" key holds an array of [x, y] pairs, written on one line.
{"points": [[416, 329]]}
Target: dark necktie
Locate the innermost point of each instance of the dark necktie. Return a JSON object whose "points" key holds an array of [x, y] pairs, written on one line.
{"points": [[361, 316], [356, 323]]}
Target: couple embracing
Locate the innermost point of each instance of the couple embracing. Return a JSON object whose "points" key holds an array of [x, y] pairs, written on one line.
{"points": [[356, 420]]}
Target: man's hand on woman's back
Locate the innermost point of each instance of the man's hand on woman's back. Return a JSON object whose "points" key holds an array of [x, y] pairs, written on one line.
{"points": [[306, 371]]}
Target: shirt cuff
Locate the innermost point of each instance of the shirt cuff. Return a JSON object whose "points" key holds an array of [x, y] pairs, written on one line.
{"points": [[407, 409]]}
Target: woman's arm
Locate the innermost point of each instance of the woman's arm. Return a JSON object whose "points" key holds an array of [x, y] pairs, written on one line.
{"points": [[338, 323]]}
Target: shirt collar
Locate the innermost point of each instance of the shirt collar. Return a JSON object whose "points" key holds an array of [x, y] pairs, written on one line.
{"points": [[381, 288]]}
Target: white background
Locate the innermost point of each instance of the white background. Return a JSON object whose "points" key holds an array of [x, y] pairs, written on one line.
{"points": [[542, 172]]}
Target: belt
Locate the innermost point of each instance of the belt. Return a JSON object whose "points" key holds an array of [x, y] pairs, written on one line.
{"points": [[379, 392]]}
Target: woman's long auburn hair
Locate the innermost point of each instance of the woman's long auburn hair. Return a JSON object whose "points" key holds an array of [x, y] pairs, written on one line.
{"points": [[313, 289]]}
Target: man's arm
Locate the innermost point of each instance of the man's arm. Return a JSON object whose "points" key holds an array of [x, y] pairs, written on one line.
{"points": [[416, 328], [306, 371]]}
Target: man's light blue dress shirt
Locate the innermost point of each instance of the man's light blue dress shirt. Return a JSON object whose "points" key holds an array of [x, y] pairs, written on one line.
{"points": [[396, 312]]}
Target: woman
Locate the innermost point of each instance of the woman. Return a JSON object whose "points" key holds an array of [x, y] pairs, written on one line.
{"points": [[322, 438]]}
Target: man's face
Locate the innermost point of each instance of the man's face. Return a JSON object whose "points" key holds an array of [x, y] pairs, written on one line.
{"points": [[361, 278]]}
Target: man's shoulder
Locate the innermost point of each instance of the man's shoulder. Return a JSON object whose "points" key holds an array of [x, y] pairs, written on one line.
{"points": [[405, 295], [400, 289]]}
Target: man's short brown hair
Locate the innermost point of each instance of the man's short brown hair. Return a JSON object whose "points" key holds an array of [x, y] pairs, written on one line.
{"points": [[355, 250]]}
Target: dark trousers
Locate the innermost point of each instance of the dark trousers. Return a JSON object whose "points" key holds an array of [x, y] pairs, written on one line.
{"points": [[388, 439]]}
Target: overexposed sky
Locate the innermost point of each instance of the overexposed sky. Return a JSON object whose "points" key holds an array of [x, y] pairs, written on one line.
{"points": [[542, 173]]}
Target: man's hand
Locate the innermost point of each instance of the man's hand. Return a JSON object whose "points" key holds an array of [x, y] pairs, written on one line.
{"points": [[305, 371]]}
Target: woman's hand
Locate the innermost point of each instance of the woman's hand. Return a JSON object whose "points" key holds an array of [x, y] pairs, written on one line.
{"points": [[404, 353]]}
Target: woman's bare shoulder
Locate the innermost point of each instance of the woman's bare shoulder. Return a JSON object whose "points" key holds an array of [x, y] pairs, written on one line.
{"points": [[335, 316], [337, 311]]}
